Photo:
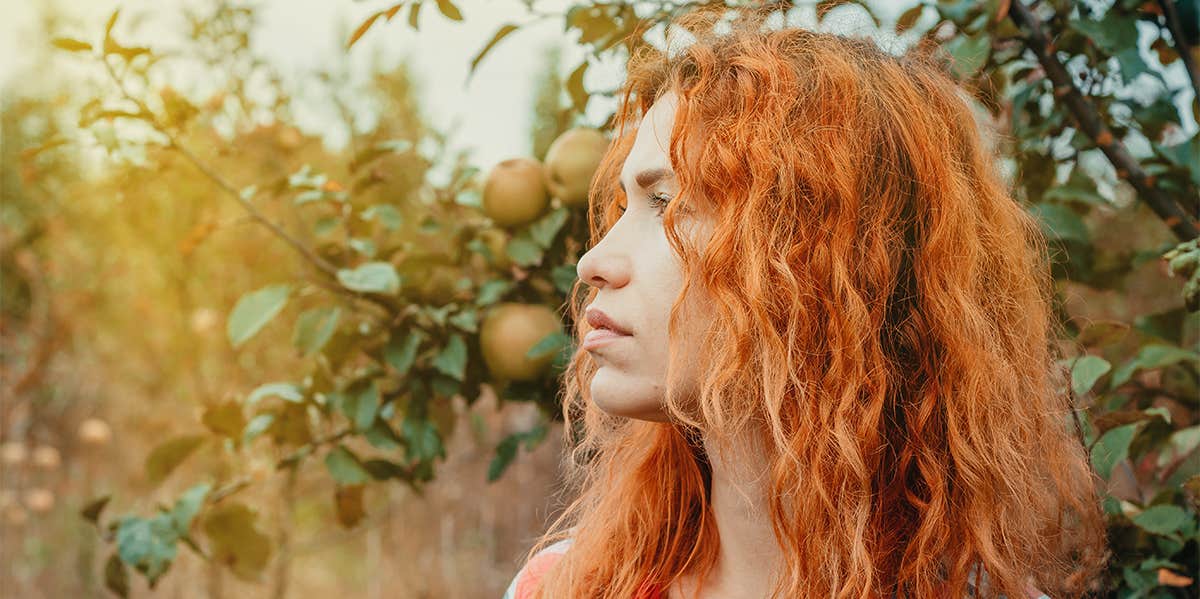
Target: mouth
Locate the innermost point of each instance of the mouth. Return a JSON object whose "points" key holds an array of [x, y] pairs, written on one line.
{"points": [[600, 337], [603, 322]]}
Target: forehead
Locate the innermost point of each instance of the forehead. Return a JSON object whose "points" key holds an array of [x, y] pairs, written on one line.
{"points": [[651, 145]]}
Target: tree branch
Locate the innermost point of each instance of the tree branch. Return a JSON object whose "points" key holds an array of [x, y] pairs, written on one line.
{"points": [[1181, 45], [320, 263], [1091, 124]]}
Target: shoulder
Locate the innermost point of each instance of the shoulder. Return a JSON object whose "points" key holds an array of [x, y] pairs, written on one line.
{"points": [[527, 578]]}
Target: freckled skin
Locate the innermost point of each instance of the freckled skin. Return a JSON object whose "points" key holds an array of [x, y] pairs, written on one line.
{"points": [[638, 276]]}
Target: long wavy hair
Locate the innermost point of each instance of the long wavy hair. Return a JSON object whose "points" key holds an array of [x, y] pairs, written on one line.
{"points": [[882, 322]]}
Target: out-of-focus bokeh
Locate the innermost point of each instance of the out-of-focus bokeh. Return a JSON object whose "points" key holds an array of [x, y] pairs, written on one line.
{"points": [[281, 282]]}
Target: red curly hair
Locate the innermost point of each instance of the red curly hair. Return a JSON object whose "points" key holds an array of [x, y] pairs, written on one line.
{"points": [[882, 322]]}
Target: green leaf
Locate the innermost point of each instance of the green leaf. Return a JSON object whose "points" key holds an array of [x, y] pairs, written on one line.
{"points": [[1086, 371], [1150, 357], [1161, 519], [1079, 187], [524, 251], [314, 328], [506, 450], [285, 391], [969, 53], [386, 214], [504, 30], [450, 10], [116, 576], [401, 354], [467, 320], [1185, 154], [254, 310], [187, 506], [384, 469], [492, 291], [366, 247], [371, 277], [564, 277], [148, 544], [1112, 33], [424, 443], [1061, 223], [381, 436], [345, 467], [236, 540], [169, 455], [1113, 447], [452, 360], [361, 404], [71, 45], [257, 426], [545, 229], [549, 344]]}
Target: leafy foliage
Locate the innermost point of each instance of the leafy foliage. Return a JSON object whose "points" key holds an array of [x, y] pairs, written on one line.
{"points": [[387, 345]]}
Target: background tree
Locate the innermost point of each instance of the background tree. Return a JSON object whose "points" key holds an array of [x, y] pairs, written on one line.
{"points": [[356, 290]]}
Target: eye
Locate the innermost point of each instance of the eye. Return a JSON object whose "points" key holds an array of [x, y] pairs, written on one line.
{"points": [[658, 201]]}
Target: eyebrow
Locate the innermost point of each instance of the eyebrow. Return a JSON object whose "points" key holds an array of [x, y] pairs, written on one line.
{"points": [[647, 178]]}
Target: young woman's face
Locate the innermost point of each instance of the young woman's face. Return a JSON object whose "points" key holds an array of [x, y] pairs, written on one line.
{"points": [[638, 277]]}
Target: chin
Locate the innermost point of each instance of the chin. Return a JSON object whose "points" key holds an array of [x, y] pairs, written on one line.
{"points": [[628, 409]]}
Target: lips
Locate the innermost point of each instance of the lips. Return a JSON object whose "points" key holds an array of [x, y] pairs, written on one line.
{"points": [[599, 320]]}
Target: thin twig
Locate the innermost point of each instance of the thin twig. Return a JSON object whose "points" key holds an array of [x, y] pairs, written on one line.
{"points": [[1093, 126]]}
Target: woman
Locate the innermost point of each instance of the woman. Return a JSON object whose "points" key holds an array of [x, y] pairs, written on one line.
{"points": [[829, 368]]}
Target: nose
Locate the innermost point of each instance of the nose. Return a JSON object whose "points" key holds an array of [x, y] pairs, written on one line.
{"points": [[605, 265]]}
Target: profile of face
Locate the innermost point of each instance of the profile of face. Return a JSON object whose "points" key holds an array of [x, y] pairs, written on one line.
{"points": [[638, 276]]}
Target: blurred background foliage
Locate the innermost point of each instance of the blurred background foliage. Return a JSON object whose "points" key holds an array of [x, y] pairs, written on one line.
{"points": [[240, 362]]}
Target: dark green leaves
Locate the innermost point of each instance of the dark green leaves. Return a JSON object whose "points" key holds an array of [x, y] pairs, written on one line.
{"points": [[401, 351], [1112, 447], [1161, 519], [1061, 223], [506, 450], [148, 544], [345, 467], [360, 403], [1086, 371], [452, 360], [1112, 33], [968, 54], [1149, 357]]}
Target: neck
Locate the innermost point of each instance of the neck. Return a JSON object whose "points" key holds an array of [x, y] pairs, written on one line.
{"points": [[748, 555]]}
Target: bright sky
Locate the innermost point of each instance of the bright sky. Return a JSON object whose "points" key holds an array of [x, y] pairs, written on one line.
{"points": [[491, 115]]}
